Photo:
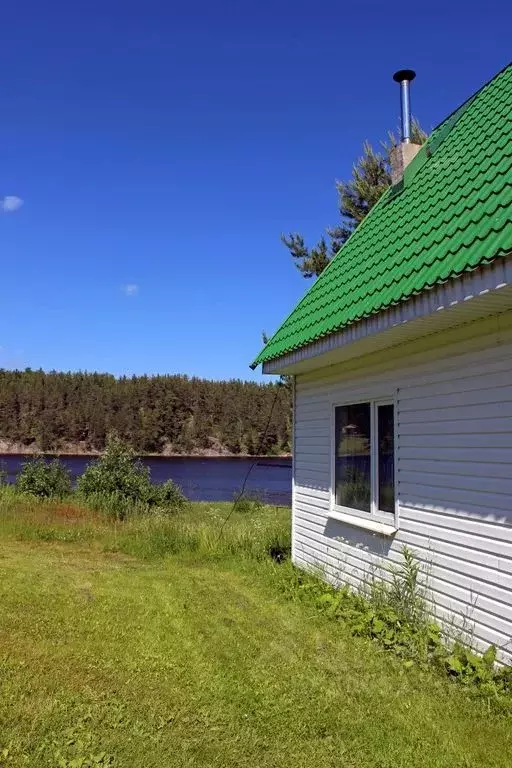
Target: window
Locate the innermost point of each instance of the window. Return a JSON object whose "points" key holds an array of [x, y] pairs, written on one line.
{"points": [[386, 457], [364, 457]]}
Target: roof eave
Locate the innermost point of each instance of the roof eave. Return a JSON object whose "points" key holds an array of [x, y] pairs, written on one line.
{"points": [[484, 291]]}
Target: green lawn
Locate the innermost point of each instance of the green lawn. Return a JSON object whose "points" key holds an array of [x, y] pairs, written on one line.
{"points": [[197, 659]]}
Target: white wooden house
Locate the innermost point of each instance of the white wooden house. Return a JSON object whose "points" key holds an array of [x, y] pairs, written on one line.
{"points": [[401, 354]]}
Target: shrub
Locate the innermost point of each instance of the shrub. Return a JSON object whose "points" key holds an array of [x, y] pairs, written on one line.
{"points": [[118, 483], [45, 479], [169, 494], [246, 503], [116, 473]]}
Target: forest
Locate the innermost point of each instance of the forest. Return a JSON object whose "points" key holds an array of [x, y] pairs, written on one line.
{"points": [[74, 413]]}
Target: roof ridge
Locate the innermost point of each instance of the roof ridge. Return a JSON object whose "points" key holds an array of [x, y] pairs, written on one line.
{"points": [[472, 97]]}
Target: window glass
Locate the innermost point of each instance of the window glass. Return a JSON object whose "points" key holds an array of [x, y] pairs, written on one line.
{"points": [[385, 458], [353, 456]]}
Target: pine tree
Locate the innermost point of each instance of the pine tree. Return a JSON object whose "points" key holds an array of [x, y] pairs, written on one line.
{"points": [[51, 411], [371, 176]]}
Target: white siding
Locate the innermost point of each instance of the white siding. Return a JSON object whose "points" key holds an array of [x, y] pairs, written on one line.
{"points": [[454, 470]]}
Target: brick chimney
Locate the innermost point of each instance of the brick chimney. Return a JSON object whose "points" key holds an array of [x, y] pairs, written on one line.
{"points": [[401, 155]]}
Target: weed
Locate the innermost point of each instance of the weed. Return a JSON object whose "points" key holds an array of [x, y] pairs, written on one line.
{"points": [[394, 615], [403, 592], [406, 594]]}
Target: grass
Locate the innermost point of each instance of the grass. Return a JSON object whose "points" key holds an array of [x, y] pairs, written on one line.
{"points": [[155, 643]]}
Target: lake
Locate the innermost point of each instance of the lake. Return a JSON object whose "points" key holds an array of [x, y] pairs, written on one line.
{"points": [[201, 478]]}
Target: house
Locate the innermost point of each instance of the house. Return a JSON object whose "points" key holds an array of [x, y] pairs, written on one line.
{"points": [[401, 357]]}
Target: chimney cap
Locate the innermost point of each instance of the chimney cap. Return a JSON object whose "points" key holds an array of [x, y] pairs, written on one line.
{"points": [[404, 74]]}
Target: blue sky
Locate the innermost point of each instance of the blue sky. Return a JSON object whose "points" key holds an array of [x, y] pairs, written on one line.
{"points": [[160, 148]]}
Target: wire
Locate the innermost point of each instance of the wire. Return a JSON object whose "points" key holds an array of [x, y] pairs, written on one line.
{"points": [[260, 444]]}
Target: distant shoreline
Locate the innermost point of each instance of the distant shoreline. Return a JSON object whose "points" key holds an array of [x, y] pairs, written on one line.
{"points": [[18, 450]]}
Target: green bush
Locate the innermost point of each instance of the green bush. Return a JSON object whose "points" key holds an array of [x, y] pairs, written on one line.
{"points": [[116, 473], [119, 484], [44, 479], [169, 494], [247, 503]]}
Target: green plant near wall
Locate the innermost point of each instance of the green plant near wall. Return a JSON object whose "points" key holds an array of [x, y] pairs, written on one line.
{"points": [[405, 592], [394, 614]]}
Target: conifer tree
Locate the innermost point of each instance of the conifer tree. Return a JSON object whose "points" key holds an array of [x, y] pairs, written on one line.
{"points": [[371, 176]]}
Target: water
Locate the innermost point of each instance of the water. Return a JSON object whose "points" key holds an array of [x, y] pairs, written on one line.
{"points": [[201, 478]]}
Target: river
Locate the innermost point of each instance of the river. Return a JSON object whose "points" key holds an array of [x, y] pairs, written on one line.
{"points": [[201, 478]]}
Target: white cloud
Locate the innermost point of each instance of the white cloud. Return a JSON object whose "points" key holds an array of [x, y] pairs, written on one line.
{"points": [[130, 289], [10, 203]]}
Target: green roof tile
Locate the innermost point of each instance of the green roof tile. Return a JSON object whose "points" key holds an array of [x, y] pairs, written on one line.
{"points": [[452, 213]]}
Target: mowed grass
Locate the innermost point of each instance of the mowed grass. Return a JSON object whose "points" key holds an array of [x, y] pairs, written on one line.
{"points": [[118, 647]]}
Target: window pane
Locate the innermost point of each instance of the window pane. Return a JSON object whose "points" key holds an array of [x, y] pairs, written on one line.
{"points": [[352, 457], [386, 457]]}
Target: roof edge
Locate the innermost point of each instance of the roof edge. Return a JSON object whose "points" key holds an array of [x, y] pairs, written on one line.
{"points": [[454, 297]]}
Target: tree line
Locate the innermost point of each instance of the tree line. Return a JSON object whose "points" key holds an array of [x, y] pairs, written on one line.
{"points": [[153, 414], [178, 414]]}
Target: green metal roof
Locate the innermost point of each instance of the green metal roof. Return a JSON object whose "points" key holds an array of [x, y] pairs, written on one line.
{"points": [[451, 213]]}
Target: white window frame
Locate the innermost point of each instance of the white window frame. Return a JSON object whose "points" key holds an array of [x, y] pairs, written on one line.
{"points": [[376, 521]]}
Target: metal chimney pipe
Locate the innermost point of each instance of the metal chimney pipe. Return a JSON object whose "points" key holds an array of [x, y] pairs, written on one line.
{"points": [[404, 77]]}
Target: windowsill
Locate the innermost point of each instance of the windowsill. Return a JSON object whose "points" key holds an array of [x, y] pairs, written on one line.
{"points": [[385, 529]]}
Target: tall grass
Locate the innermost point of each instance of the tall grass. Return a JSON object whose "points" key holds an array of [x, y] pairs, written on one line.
{"points": [[158, 536], [198, 529]]}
